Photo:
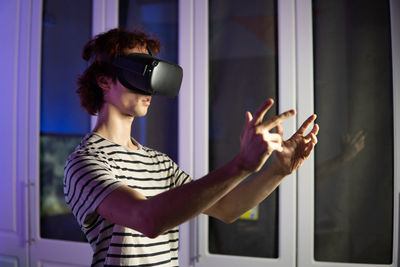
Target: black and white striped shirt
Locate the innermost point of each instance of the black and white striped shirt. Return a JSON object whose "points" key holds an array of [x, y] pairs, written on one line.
{"points": [[99, 166]]}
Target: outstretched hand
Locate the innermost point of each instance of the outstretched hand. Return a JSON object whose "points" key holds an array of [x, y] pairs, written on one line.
{"points": [[256, 141], [297, 148]]}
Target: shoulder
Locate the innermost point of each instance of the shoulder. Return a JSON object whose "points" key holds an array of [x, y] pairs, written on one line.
{"points": [[90, 149]]}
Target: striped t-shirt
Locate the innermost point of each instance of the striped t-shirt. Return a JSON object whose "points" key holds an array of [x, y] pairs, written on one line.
{"points": [[99, 166]]}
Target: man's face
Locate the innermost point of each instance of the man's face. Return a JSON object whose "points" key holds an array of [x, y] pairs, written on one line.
{"points": [[127, 102]]}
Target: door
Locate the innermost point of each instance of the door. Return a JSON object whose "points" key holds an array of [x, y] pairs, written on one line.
{"points": [[243, 55], [63, 123], [338, 59], [57, 124]]}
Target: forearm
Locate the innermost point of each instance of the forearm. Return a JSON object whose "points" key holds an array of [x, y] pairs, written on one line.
{"points": [[246, 196], [171, 208]]}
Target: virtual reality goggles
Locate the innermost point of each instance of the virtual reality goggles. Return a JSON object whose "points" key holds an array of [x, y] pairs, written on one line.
{"points": [[146, 74]]}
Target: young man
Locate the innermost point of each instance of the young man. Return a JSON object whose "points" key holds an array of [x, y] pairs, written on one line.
{"points": [[130, 199]]}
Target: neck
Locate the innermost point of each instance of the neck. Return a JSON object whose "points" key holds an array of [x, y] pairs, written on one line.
{"points": [[115, 126]]}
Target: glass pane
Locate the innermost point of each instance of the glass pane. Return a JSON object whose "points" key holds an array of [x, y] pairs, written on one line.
{"points": [[159, 18], [354, 157], [243, 73], [66, 28]]}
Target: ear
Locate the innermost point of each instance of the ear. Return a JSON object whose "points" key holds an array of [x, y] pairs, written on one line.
{"points": [[104, 82]]}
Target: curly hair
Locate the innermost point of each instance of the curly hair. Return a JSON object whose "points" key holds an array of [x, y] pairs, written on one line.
{"points": [[107, 45]]}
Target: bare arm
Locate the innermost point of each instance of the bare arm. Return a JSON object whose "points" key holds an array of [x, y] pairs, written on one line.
{"points": [[126, 206], [154, 216], [245, 196]]}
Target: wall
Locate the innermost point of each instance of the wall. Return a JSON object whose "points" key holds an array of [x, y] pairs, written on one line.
{"points": [[14, 74]]}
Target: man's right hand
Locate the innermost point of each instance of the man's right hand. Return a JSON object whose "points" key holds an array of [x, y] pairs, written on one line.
{"points": [[256, 141]]}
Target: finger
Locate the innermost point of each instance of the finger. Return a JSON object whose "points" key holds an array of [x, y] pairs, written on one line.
{"points": [[314, 138], [249, 117], [314, 131], [261, 111], [276, 120], [273, 137], [273, 140], [275, 146], [306, 124], [279, 130], [309, 149]]}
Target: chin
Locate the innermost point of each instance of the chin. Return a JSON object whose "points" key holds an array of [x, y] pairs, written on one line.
{"points": [[140, 114]]}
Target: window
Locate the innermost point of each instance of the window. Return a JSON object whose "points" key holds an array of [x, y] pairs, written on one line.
{"points": [[354, 164], [159, 128], [346, 203], [243, 73], [63, 122]]}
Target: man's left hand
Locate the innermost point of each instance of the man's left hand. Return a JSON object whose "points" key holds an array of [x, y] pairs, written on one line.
{"points": [[297, 148]]}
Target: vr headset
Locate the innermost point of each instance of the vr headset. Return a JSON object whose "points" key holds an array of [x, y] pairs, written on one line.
{"points": [[146, 74]]}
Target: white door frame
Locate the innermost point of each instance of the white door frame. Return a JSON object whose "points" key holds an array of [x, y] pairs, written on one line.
{"points": [[287, 100], [58, 253]]}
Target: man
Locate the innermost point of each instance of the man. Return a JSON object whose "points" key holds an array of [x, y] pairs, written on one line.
{"points": [[130, 199]]}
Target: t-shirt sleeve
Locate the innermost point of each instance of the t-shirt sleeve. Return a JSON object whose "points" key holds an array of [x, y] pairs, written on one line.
{"points": [[180, 177], [88, 179]]}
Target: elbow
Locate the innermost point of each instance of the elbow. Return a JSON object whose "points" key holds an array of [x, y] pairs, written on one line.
{"points": [[223, 215], [151, 234], [146, 222], [152, 227], [229, 220], [155, 232], [226, 218]]}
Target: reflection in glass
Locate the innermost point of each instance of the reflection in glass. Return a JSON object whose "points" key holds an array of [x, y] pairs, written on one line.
{"points": [[243, 73], [354, 156], [66, 28], [159, 18], [56, 221]]}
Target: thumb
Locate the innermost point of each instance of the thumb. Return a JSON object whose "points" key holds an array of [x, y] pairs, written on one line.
{"points": [[249, 117], [279, 130]]}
